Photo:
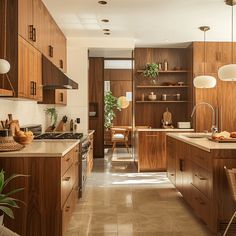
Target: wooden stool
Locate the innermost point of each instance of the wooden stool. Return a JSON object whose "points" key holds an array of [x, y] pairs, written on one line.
{"points": [[119, 135]]}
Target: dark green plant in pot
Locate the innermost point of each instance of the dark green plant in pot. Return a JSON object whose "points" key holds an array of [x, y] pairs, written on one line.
{"points": [[151, 71], [110, 104], [52, 112], [7, 202]]}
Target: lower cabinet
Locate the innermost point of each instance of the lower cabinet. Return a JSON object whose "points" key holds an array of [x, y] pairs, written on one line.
{"points": [[200, 177], [90, 155], [50, 193]]}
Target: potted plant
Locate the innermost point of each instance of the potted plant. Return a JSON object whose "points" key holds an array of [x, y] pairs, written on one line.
{"points": [[52, 112], [110, 104], [6, 201], [151, 71]]}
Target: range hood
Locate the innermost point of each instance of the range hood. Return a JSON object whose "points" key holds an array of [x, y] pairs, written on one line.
{"points": [[54, 78]]}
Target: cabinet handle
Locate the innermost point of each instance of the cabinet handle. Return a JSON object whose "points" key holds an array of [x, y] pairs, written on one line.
{"points": [[67, 159], [61, 97], [34, 35], [181, 165], [66, 178], [31, 29], [50, 50], [61, 64], [200, 177], [31, 87], [151, 135], [172, 174], [67, 208], [35, 86]]}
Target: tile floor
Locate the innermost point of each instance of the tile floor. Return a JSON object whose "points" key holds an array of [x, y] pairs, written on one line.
{"points": [[118, 201]]}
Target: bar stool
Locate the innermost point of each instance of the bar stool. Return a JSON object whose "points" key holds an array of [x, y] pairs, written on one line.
{"points": [[231, 176]]}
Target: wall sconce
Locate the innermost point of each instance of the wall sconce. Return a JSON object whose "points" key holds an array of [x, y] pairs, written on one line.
{"points": [[123, 102]]}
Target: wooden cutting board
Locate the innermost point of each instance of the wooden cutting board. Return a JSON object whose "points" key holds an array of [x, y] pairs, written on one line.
{"points": [[228, 140]]}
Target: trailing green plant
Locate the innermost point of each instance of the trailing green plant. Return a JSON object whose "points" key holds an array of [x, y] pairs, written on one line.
{"points": [[111, 104], [7, 202], [52, 112], [151, 71]]}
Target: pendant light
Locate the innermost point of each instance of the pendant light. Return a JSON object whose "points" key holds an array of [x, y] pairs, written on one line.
{"points": [[204, 81], [4, 64], [228, 72]]}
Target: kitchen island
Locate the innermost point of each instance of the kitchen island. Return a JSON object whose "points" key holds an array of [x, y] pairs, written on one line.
{"points": [[150, 148], [50, 190], [196, 167]]}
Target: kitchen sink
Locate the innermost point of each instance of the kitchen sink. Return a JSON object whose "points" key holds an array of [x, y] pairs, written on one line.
{"points": [[196, 135]]}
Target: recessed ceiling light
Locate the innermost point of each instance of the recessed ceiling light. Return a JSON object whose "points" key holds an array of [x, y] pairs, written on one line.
{"points": [[106, 30], [105, 20], [102, 2], [107, 33]]}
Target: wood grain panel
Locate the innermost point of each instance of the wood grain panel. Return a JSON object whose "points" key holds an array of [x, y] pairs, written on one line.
{"points": [[96, 96], [151, 151]]}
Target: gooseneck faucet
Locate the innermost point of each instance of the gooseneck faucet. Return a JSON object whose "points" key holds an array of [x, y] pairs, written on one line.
{"points": [[214, 127]]}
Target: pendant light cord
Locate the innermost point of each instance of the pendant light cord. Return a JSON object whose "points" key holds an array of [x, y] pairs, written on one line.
{"points": [[204, 51], [232, 44], [5, 30]]}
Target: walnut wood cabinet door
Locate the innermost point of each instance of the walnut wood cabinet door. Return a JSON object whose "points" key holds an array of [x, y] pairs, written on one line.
{"points": [[171, 156], [29, 71], [25, 19], [61, 96], [152, 151]]}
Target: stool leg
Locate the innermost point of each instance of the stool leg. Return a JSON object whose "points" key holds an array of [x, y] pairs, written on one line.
{"points": [[127, 146], [113, 147], [227, 228]]}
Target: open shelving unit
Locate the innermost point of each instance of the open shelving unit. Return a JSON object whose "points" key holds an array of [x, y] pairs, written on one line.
{"points": [[148, 112]]}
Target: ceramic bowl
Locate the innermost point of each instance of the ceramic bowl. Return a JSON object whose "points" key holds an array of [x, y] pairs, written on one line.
{"points": [[152, 97]]}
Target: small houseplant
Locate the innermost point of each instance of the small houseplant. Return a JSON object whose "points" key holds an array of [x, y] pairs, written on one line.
{"points": [[110, 104], [151, 71], [7, 202], [52, 112]]}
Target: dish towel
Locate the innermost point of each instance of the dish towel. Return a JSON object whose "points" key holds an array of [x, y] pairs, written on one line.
{"points": [[6, 232]]}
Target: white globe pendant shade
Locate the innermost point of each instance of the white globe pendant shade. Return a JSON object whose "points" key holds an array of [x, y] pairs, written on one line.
{"points": [[4, 66], [204, 81], [227, 72]]}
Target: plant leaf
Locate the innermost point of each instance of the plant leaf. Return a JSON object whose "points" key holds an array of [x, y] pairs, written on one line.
{"points": [[14, 191], [8, 211], [11, 178]]}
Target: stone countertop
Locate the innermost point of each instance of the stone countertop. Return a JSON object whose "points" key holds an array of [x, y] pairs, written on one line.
{"points": [[44, 148], [203, 143], [165, 130]]}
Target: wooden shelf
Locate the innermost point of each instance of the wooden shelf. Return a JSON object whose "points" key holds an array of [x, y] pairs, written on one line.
{"points": [[161, 86], [183, 101], [167, 71]]}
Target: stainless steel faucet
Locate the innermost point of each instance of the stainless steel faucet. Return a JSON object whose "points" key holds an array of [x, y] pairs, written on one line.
{"points": [[214, 127]]}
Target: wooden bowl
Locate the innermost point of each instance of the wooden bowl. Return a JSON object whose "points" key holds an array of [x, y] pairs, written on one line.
{"points": [[23, 140]]}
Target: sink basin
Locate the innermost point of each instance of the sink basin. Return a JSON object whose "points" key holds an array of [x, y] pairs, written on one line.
{"points": [[196, 135]]}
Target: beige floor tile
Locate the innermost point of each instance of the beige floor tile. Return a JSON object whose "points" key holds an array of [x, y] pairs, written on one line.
{"points": [[122, 202]]}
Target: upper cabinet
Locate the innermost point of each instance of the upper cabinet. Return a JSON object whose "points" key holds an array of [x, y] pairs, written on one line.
{"points": [[37, 26]]}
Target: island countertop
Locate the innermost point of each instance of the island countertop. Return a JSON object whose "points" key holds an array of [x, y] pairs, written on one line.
{"points": [[203, 143], [164, 130], [44, 148]]}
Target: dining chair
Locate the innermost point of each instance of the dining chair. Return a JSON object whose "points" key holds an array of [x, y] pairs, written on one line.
{"points": [[119, 135]]}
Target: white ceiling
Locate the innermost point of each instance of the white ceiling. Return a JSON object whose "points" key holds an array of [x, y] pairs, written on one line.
{"points": [[150, 22]]}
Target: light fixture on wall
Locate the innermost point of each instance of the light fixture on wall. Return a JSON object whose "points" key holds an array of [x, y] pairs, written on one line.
{"points": [[4, 64], [123, 102], [204, 81], [228, 72]]}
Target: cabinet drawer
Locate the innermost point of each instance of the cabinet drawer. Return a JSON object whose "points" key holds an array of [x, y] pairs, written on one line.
{"points": [[67, 183], [202, 180], [67, 161], [67, 210], [201, 205], [202, 158]]}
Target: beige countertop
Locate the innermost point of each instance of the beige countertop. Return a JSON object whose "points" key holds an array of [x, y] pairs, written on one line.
{"points": [[166, 130], [44, 148], [202, 143]]}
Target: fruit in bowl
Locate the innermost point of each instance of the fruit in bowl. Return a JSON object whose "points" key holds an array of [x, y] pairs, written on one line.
{"points": [[24, 137]]}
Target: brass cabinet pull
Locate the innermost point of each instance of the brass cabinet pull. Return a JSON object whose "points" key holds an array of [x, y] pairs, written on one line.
{"points": [[66, 178], [35, 85], [34, 35], [50, 50], [67, 208], [172, 174], [31, 29], [61, 64], [67, 159], [31, 87]]}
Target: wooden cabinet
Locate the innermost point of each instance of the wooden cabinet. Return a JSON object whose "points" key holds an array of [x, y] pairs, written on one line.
{"points": [[151, 151], [56, 96], [29, 71], [201, 179], [50, 193]]}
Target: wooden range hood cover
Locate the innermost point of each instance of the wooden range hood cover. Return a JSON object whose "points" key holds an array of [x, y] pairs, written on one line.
{"points": [[54, 78]]}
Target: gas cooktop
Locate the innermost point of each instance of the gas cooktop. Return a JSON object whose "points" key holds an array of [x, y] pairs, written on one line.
{"points": [[59, 136]]}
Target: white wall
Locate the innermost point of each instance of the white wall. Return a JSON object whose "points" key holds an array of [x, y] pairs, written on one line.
{"points": [[28, 112]]}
